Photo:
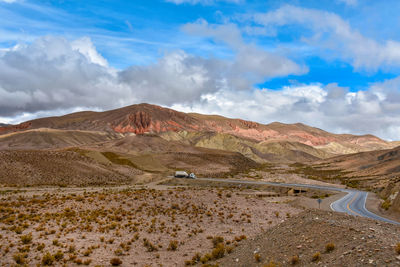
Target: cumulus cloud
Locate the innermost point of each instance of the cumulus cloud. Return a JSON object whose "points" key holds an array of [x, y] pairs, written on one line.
{"points": [[329, 107], [202, 2], [53, 76], [52, 73], [332, 33], [175, 78]]}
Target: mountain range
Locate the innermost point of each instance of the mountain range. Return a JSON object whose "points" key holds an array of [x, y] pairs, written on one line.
{"points": [[146, 139], [274, 142]]}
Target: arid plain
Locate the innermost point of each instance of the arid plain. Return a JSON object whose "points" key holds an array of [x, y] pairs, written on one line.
{"points": [[94, 188]]}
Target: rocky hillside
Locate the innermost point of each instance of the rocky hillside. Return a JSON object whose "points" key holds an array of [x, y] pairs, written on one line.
{"points": [[374, 170], [146, 118], [132, 159], [319, 238]]}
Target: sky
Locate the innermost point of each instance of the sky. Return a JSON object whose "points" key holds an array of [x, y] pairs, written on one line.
{"points": [[331, 64]]}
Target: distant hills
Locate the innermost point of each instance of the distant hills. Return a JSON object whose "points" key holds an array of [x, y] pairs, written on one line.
{"points": [[273, 142], [144, 140]]}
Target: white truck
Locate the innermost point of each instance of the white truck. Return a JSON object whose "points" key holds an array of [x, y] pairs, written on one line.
{"points": [[183, 174]]}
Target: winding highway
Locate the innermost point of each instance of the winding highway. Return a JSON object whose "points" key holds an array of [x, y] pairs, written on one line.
{"points": [[352, 203]]}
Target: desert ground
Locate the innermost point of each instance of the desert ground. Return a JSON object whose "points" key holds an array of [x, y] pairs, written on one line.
{"points": [[136, 226], [178, 222], [91, 188]]}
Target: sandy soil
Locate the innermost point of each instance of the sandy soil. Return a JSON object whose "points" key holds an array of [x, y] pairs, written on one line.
{"points": [[147, 226]]}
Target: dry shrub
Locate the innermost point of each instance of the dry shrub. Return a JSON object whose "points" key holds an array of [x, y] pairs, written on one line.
{"points": [[294, 260], [218, 252], [115, 262], [173, 245], [398, 248], [26, 239], [329, 247], [316, 256], [19, 258], [47, 259]]}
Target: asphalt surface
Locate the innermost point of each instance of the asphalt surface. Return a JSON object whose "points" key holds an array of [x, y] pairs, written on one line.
{"points": [[353, 203]]}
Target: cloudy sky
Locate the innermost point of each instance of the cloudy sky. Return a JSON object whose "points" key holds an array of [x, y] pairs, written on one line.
{"points": [[332, 64]]}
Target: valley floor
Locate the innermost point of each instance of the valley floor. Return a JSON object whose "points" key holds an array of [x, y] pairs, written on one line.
{"points": [[159, 227], [177, 222]]}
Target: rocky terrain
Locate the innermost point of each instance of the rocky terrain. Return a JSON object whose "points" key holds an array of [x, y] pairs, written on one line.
{"points": [[103, 198], [151, 141], [62, 168], [130, 226], [90, 167], [320, 238], [374, 170]]}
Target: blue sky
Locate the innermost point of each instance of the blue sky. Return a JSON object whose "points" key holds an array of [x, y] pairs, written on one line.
{"points": [[260, 60]]}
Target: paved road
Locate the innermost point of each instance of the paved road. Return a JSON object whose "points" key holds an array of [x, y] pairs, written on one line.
{"points": [[353, 203]]}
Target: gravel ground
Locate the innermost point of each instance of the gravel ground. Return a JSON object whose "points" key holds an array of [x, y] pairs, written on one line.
{"points": [[356, 242], [140, 227]]}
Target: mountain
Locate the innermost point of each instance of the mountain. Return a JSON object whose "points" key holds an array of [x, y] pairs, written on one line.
{"points": [[47, 138], [145, 139], [255, 138], [3, 125]]}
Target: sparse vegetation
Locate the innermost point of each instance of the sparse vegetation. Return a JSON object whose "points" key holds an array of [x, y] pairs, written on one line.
{"points": [[127, 216], [316, 257], [294, 260], [19, 258], [386, 204], [218, 252], [173, 245], [115, 262], [26, 239], [47, 259], [329, 247], [397, 248]]}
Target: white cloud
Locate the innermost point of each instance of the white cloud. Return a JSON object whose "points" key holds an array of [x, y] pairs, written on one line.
{"points": [[202, 2], [53, 73], [53, 76], [332, 33], [175, 78], [86, 48], [9, 1], [330, 107], [251, 64]]}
